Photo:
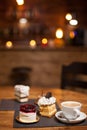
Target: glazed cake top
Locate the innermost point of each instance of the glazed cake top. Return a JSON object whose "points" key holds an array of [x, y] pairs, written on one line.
{"points": [[27, 108]]}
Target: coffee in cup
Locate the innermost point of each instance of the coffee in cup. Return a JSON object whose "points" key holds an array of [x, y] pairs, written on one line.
{"points": [[71, 109]]}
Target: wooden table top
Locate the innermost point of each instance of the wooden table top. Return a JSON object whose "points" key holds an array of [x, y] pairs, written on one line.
{"points": [[7, 92]]}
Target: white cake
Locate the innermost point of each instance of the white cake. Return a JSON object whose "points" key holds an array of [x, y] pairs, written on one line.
{"points": [[47, 106], [21, 93], [27, 113]]}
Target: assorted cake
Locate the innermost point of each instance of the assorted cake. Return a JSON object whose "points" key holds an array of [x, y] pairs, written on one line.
{"points": [[47, 105], [21, 93], [27, 113]]}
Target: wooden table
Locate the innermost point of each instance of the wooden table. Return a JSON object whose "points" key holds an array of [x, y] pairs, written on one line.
{"points": [[6, 117]]}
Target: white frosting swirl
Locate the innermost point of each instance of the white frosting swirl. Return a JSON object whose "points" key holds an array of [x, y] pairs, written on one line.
{"points": [[46, 101]]}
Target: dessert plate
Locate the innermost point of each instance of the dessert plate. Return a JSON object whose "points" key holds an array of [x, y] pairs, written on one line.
{"points": [[18, 119], [61, 118]]}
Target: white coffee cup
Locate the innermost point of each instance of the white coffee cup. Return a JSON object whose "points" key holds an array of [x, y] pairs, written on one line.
{"points": [[71, 109]]}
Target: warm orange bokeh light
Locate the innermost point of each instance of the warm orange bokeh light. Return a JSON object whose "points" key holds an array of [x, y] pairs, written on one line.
{"points": [[20, 2], [59, 33], [44, 41], [72, 34], [73, 22], [32, 43], [68, 16], [9, 44], [59, 42]]}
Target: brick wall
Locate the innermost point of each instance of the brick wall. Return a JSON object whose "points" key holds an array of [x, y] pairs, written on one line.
{"points": [[46, 64]]}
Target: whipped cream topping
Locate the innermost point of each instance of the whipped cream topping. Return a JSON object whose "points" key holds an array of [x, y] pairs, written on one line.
{"points": [[46, 101], [22, 89]]}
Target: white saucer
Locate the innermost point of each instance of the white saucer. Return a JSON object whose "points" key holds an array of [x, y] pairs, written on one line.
{"points": [[59, 116]]}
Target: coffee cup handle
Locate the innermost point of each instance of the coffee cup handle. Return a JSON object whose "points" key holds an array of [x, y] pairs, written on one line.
{"points": [[77, 112]]}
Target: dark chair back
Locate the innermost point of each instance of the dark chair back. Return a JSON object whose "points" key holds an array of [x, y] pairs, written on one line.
{"points": [[74, 74]]}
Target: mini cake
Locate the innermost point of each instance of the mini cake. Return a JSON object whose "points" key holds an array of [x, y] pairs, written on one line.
{"points": [[47, 105], [27, 113], [22, 93]]}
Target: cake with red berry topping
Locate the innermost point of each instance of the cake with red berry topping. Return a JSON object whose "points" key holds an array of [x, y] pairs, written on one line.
{"points": [[27, 113], [47, 105]]}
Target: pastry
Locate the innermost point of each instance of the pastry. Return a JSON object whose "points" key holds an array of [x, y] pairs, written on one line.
{"points": [[47, 105], [27, 113], [21, 93]]}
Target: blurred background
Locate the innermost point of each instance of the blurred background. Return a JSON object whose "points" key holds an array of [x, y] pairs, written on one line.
{"points": [[44, 22], [38, 36]]}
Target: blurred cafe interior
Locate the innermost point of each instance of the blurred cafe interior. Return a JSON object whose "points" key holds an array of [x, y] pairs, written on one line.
{"points": [[43, 62], [37, 37]]}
